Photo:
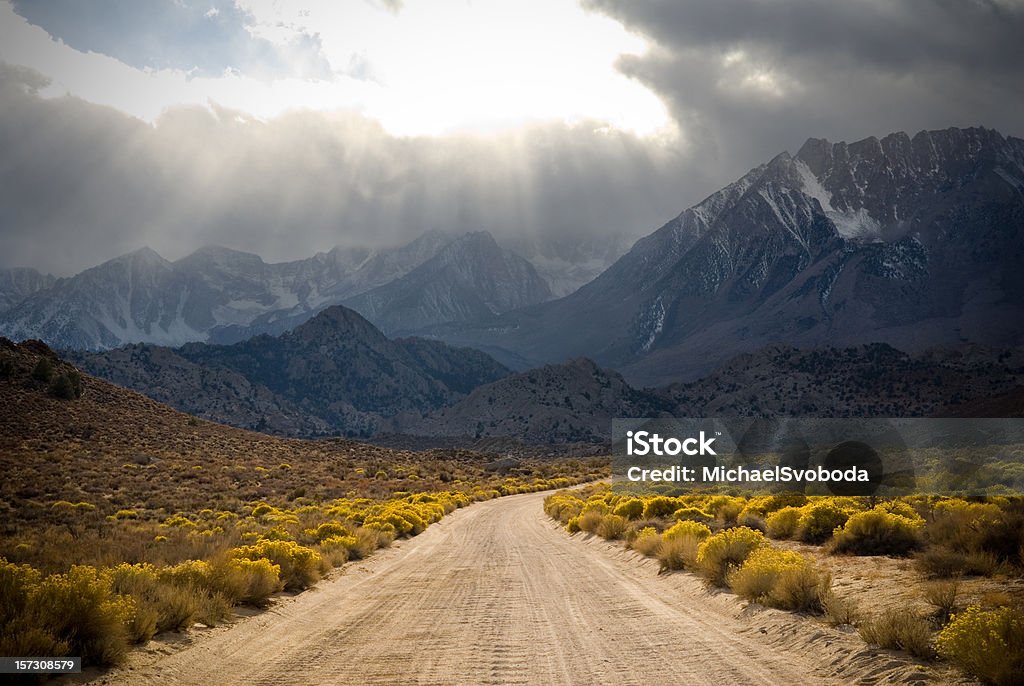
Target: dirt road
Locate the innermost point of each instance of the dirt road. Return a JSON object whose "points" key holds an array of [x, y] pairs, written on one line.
{"points": [[497, 594]]}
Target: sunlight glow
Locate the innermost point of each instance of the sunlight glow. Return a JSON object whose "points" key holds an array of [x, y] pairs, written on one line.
{"points": [[429, 67]]}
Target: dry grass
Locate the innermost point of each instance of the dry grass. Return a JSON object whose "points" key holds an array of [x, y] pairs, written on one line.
{"points": [[838, 611], [612, 527], [679, 552], [899, 630], [647, 542], [939, 562], [943, 596]]}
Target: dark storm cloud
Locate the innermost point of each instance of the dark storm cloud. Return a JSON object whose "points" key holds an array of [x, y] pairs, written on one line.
{"points": [[887, 34], [748, 78], [204, 38], [81, 183]]}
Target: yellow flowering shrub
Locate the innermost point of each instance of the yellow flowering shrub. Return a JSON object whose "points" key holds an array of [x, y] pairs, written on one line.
{"points": [[756, 577], [780, 578], [819, 519], [687, 528], [299, 566], [718, 554], [630, 508], [878, 532], [661, 506], [987, 643]]}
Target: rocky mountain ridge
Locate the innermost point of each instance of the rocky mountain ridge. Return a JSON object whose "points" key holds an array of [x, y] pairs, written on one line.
{"points": [[220, 295], [577, 400], [914, 242], [470, 278], [19, 283]]}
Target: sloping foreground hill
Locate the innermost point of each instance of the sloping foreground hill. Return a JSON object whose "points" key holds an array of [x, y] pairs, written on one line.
{"points": [[115, 449]]}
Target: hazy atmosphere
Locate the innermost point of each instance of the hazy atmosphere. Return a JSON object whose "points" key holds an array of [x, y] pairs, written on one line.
{"points": [[285, 132]]}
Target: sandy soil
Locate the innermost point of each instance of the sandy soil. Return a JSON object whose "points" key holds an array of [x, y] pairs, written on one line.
{"points": [[497, 594], [880, 584]]}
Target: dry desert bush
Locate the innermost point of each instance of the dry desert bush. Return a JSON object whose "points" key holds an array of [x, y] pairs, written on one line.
{"points": [[900, 629]]}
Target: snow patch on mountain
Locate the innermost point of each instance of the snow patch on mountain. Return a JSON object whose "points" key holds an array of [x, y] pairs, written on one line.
{"points": [[852, 224], [856, 225], [812, 187]]}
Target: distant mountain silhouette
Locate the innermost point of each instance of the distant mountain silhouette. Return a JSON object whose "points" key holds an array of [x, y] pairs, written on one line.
{"points": [[335, 373]]}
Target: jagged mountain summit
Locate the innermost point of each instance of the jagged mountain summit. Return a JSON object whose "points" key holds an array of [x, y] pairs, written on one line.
{"points": [[914, 242], [470, 278], [567, 260]]}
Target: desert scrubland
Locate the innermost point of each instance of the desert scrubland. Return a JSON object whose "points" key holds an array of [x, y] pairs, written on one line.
{"points": [[124, 519], [938, 578]]}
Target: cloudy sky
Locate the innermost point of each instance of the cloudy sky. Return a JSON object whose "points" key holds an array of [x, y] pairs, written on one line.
{"points": [[285, 128]]}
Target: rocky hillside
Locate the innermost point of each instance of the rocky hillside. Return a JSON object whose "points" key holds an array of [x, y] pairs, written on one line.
{"points": [[336, 373], [217, 394], [108, 448], [575, 401], [864, 381]]}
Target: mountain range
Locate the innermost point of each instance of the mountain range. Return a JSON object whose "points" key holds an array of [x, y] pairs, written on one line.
{"points": [[221, 295], [879, 277], [337, 374], [915, 242], [469, 279]]}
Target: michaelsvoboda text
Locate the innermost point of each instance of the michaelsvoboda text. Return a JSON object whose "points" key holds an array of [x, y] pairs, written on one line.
{"points": [[645, 443], [679, 473]]}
